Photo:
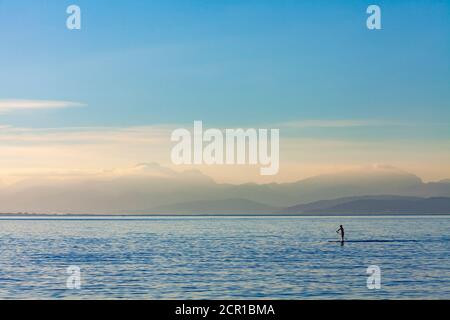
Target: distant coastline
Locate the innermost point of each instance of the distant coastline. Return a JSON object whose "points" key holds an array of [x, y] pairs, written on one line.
{"points": [[31, 215]]}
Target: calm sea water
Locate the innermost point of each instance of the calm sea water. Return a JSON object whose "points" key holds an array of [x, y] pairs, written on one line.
{"points": [[225, 257]]}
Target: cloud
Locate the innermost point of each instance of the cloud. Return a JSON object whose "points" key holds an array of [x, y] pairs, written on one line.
{"points": [[29, 150], [69, 152], [8, 105], [337, 123], [85, 135]]}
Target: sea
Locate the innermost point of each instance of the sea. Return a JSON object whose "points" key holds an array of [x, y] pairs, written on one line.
{"points": [[224, 257]]}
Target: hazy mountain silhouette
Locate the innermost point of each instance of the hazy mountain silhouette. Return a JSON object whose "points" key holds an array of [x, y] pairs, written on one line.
{"points": [[226, 206], [375, 205], [371, 181], [151, 187]]}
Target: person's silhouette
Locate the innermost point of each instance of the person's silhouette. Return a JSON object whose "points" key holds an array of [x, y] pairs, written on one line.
{"points": [[341, 230]]}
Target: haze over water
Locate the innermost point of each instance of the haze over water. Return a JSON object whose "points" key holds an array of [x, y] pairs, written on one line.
{"points": [[224, 257]]}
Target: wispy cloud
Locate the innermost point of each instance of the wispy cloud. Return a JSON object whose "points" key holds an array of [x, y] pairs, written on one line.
{"points": [[8, 105], [337, 123], [79, 151], [86, 135]]}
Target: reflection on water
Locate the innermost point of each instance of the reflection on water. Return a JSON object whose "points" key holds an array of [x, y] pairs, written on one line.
{"points": [[225, 257]]}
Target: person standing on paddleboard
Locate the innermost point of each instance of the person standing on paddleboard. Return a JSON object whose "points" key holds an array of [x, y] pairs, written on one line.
{"points": [[341, 230]]}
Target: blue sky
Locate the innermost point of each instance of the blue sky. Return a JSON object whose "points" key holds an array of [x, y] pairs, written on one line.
{"points": [[108, 95], [226, 62]]}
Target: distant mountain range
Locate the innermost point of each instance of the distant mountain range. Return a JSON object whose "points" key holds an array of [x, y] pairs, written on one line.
{"points": [[342, 206], [226, 206], [374, 205], [156, 189]]}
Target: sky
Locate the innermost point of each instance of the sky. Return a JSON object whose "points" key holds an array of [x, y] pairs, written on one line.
{"points": [[108, 95]]}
